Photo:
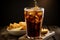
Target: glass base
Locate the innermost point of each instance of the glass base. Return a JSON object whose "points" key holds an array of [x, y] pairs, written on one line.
{"points": [[34, 38]]}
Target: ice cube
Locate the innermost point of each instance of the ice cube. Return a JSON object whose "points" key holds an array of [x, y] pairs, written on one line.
{"points": [[27, 16], [40, 13], [36, 17], [36, 20], [32, 13]]}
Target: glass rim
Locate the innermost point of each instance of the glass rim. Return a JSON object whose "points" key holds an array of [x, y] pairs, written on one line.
{"points": [[30, 8]]}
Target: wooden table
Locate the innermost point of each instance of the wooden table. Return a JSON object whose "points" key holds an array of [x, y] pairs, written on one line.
{"points": [[4, 35], [46, 37]]}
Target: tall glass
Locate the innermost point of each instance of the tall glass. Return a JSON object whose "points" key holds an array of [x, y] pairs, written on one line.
{"points": [[34, 18]]}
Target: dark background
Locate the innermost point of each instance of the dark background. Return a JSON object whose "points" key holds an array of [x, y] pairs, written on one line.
{"points": [[12, 11]]}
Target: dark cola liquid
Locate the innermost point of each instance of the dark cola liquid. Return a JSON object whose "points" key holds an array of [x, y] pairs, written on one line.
{"points": [[33, 20]]}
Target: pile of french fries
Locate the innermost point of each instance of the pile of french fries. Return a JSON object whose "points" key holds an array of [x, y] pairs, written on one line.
{"points": [[17, 25]]}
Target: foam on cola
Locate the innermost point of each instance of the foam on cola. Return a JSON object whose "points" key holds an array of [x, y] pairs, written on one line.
{"points": [[33, 19]]}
